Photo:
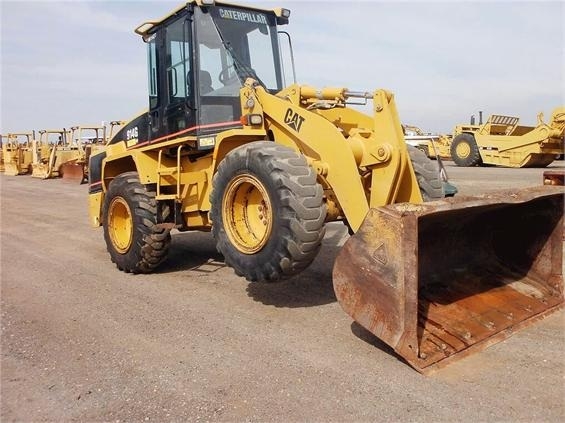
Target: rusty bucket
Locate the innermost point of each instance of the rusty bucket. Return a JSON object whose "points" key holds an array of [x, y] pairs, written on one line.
{"points": [[73, 170], [440, 280]]}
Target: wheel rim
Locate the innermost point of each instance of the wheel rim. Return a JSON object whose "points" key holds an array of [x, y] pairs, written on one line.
{"points": [[463, 150], [247, 214], [120, 226]]}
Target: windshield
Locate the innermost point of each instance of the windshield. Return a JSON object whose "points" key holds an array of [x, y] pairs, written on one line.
{"points": [[235, 44]]}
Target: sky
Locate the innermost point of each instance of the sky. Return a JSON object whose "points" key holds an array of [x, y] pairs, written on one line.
{"points": [[79, 62]]}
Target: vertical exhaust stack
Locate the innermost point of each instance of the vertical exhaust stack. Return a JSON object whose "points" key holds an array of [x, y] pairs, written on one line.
{"points": [[441, 280]]}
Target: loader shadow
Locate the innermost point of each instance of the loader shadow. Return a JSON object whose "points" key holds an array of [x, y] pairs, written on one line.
{"points": [[192, 251], [313, 286], [364, 335], [196, 252]]}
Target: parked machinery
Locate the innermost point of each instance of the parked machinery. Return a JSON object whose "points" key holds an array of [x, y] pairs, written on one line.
{"points": [[3, 139], [93, 148], [432, 145], [51, 150], [502, 142], [87, 138], [17, 153]]}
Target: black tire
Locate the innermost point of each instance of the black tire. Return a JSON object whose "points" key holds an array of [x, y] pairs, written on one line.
{"points": [[427, 174], [129, 216], [464, 151], [267, 211]]}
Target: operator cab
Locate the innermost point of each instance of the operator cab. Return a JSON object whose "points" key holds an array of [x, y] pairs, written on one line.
{"points": [[198, 59]]}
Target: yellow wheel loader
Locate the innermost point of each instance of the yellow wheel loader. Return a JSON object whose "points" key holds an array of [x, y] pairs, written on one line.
{"points": [[17, 153], [225, 147], [502, 142]]}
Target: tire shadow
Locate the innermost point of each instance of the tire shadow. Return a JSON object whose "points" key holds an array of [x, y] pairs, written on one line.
{"points": [[313, 286]]}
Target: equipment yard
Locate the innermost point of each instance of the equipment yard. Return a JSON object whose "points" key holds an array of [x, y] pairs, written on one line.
{"points": [[254, 248], [192, 341]]}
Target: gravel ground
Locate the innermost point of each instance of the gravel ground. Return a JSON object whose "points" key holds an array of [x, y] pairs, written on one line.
{"points": [[82, 341]]}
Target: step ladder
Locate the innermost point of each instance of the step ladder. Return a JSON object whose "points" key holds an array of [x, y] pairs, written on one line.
{"points": [[163, 171]]}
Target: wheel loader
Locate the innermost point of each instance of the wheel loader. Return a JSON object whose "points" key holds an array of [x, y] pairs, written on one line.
{"points": [[502, 142], [17, 153], [225, 147]]}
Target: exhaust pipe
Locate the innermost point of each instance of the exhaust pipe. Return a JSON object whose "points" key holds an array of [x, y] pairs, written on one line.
{"points": [[441, 280]]}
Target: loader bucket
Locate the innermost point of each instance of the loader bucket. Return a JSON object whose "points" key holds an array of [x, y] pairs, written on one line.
{"points": [[441, 280]]}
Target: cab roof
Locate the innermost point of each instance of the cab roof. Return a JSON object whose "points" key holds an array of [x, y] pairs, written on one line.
{"points": [[146, 28]]}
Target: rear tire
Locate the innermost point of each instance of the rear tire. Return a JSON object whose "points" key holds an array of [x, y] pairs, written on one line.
{"points": [[267, 211], [427, 174], [129, 216], [464, 151]]}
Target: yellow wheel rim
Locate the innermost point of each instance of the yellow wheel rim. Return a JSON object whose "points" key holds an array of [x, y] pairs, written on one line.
{"points": [[247, 214], [463, 150], [120, 226]]}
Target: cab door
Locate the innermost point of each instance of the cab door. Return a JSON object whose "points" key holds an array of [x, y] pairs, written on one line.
{"points": [[171, 97]]}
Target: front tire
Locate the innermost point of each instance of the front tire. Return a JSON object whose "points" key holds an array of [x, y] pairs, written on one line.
{"points": [[464, 151], [129, 216], [267, 211]]}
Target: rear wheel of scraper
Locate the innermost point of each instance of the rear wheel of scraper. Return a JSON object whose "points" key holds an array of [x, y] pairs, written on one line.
{"points": [[427, 175], [129, 216], [267, 211], [464, 151]]}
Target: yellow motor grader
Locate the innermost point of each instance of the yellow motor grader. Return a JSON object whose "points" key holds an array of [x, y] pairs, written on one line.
{"points": [[502, 142], [225, 147], [17, 153]]}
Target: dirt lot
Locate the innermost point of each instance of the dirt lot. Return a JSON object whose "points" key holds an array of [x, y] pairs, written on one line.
{"points": [[82, 341]]}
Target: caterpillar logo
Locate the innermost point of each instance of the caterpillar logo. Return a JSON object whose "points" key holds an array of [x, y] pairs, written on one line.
{"points": [[244, 16], [294, 120]]}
